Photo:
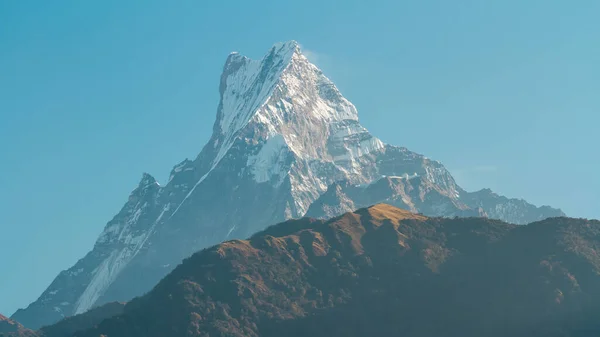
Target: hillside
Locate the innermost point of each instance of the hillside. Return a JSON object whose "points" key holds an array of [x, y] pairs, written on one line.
{"points": [[10, 328], [381, 271]]}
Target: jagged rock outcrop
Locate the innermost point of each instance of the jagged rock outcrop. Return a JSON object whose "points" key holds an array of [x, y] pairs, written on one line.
{"points": [[418, 194]]}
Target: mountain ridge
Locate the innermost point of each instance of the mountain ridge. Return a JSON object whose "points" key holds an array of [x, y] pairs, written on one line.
{"points": [[380, 271], [283, 135]]}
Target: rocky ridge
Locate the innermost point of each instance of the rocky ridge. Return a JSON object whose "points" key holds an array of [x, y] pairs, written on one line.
{"points": [[381, 271]]}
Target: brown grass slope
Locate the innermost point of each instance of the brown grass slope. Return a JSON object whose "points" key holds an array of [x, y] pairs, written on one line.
{"points": [[381, 271], [10, 328]]}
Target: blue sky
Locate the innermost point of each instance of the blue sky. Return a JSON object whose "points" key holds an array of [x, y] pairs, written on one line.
{"points": [[92, 94]]}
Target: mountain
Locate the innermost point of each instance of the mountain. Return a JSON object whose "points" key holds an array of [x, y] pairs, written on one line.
{"points": [[418, 194], [283, 136], [381, 271]]}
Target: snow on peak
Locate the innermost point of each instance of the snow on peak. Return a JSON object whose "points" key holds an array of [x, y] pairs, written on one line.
{"points": [[289, 107], [281, 89], [285, 94], [247, 84], [288, 47], [271, 90], [271, 161]]}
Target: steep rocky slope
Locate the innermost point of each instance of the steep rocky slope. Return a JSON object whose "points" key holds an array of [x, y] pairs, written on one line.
{"points": [[283, 135], [381, 271], [419, 194]]}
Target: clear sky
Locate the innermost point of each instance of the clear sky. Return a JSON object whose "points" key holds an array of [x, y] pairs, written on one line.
{"points": [[93, 93]]}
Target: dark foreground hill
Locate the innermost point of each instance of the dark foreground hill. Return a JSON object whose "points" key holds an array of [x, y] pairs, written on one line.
{"points": [[381, 271]]}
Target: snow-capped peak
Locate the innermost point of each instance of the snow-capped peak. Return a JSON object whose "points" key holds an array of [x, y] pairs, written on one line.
{"points": [[246, 84], [283, 94], [282, 91], [287, 48]]}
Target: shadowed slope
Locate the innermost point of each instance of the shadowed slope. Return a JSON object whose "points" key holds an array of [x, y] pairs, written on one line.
{"points": [[92, 318], [64, 328], [381, 271]]}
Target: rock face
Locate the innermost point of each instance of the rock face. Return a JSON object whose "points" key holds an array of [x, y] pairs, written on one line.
{"points": [[381, 271], [423, 195], [284, 138]]}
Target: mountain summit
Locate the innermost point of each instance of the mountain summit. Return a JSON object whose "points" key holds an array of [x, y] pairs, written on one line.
{"points": [[285, 143]]}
